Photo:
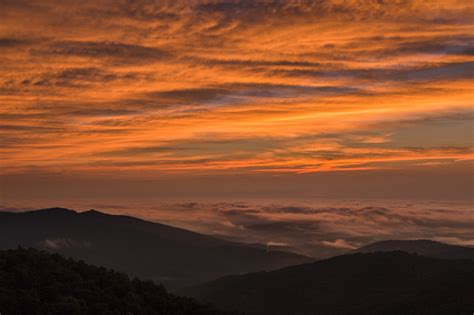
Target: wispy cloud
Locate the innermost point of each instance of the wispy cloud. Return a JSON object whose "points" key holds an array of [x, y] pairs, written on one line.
{"points": [[216, 86]]}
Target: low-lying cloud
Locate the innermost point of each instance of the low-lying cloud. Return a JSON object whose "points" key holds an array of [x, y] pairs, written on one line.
{"points": [[318, 229], [63, 243]]}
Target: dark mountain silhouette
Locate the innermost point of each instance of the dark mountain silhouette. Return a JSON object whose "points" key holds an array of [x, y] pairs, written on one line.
{"points": [[34, 282], [173, 256], [371, 283], [421, 247]]}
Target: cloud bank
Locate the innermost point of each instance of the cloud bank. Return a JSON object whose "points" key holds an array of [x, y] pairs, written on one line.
{"points": [[234, 86], [316, 228]]}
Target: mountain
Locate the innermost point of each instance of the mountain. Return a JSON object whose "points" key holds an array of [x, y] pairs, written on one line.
{"points": [[371, 283], [421, 247], [173, 256], [34, 282]]}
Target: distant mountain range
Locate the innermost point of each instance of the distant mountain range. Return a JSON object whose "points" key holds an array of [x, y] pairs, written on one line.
{"points": [[173, 256], [421, 247], [387, 277], [364, 283]]}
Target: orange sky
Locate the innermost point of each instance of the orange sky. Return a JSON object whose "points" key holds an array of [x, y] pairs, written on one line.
{"points": [[235, 87], [317, 125]]}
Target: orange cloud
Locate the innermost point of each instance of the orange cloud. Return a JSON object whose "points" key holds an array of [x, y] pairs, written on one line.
{"points": [[264, 86]]}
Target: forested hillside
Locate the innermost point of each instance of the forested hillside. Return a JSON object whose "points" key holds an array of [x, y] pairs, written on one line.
{"points": [[34, 282]]}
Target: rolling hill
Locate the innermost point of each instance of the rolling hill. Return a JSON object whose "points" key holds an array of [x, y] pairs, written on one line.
{"points": [[421, 247], [173, 256], [370, 283]]}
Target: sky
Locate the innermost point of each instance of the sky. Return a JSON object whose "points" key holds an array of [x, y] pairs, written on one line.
{"points": [[137, 102]]}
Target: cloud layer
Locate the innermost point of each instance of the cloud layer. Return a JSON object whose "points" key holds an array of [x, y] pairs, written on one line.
{"points": [[318, 228], [234, 86]]}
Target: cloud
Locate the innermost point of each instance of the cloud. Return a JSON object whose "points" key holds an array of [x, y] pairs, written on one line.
{"points": [[248, 87], [321, 230], [279, 244], [349, 9], [189, 205], [256, 63], [128, 53], [12, 42], [339, 243], [7, 128], [318, 228], [437, 72], [79, 78], [456, 241], [241, 93], [63, 243]]}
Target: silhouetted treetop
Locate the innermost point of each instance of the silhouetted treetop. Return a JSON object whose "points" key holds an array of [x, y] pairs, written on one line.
{"points": [[35, 282]]}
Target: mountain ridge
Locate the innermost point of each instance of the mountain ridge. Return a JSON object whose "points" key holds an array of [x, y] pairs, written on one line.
{"points": [[174, 256], [422, 247], [362, 283]]}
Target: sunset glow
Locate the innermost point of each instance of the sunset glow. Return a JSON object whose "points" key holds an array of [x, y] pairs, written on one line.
{"points": [[238, 86], [320, 125]]}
